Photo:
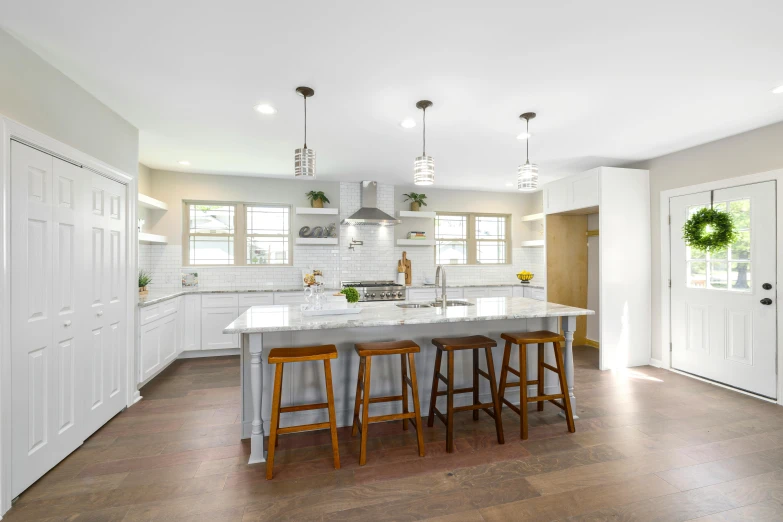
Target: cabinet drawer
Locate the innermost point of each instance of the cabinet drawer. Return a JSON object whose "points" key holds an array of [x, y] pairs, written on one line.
{"points": [[421, 294], [518, 291], [452, 293], [287, 298], [169, 307], [149, 314], [260, 299], [538, 294], [500, 291], [219, 301]]}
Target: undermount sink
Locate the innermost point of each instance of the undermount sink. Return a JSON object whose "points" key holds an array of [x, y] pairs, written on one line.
{"points": [[413, 305], [452, 302]]}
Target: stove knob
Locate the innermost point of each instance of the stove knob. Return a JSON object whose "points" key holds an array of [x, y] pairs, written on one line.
{"points": [[383, 295], [372, 294], [397, 294]]}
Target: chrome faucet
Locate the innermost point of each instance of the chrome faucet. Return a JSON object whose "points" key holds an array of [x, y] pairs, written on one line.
{"points": [[442, 283]]}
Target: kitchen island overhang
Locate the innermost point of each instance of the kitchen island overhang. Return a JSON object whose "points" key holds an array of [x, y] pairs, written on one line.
{"points": [[262, 328]]}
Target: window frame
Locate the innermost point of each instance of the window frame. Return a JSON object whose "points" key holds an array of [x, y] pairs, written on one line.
{"points": [[240, 234], [472, 241]]}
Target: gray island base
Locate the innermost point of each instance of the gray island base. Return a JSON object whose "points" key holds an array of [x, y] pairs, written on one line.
{"points": [[265, 327]]}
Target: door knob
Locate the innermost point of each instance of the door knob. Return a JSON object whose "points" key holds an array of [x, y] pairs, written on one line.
{"points": [[766, 286], [67, 324], [100, 313], [766, 301]]}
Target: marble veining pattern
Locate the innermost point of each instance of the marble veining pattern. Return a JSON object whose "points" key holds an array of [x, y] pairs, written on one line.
{"points": [[283, 318]]}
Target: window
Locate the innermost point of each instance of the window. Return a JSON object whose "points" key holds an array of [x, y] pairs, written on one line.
{"points": [[471, 239], [728, 269], [237, 234]]}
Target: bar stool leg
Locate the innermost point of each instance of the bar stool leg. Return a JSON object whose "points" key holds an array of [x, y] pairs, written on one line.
{"points": [[434, 395], [564, 386], [504, 373], [540, 375], [332, 421], [450, 406], [282, 367], [523, 390], [475, 383], [404, 391], [416, 407], [365, 411], [493, 388], [358, 400], [270, 454]]}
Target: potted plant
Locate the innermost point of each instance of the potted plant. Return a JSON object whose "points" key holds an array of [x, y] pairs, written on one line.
{"points": [[144, 279], [351, 295], [317, 198], [417, 200]]}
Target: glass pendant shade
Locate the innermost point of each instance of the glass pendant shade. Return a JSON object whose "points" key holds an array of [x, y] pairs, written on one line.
{"points": [[304, 163], [527, 177], [424, 170]]}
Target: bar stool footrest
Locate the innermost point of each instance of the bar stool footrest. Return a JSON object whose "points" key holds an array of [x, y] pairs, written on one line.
{"points": [[303, 427], [389, 398], [542, 398], [458, 390], [304, 407]]}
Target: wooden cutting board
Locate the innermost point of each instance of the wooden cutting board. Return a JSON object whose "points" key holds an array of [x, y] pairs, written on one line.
{"points": [[405, 264]]}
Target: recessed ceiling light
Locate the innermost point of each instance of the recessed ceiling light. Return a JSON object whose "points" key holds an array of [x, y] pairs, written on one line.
{"points": [[184, 162], [408, 123], [778, 89], [509, 184], [525, 136], [264, 108]]}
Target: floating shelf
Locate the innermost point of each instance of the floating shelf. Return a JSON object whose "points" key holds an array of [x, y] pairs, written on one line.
{"points": [[533, 217], [154, 204], [152, 239], [318, 211], [415, 242], [317, 241], [533, 243], [415, 214]]}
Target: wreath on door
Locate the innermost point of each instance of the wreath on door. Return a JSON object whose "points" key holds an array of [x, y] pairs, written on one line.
{"points": [[709, 229]]}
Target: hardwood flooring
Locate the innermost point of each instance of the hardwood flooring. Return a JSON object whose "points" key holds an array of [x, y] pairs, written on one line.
{"points": [[649, 445]]}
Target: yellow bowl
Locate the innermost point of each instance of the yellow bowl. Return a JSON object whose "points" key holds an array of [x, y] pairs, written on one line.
{"points": [[524, 277]]}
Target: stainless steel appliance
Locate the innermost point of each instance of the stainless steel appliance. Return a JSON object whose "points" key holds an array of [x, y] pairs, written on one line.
{"points": [[377, 290]]}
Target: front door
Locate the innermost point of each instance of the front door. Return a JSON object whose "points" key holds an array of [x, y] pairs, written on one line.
{"points": [[724, 304]]}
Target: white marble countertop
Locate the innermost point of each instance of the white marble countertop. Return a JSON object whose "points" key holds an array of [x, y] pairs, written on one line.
{"points": [[158, 296], [283, 318], [477, 285]]}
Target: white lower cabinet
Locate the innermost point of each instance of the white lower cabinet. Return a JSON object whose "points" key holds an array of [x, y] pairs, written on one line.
{"points": [[259, 299], [159, 341], [282, 298], [213, 321], [169, 338], [488, 291], [191, 334], [518, 291], [451, 293], [421, 294]]}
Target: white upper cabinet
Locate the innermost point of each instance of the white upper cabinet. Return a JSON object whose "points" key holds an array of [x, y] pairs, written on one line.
{"points": [[572, 192]]}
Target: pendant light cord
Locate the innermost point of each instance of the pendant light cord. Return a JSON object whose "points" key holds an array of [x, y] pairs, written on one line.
{"points": [[424, 132], [527, 141], [305, 121]]}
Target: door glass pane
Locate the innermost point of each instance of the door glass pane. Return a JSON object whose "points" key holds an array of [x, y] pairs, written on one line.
{"points": [[740, 277], [718, 274], [267, 250], [212, 219], [205, 250], [740, 212], [740, 250], [697, 274], [451, 252]]}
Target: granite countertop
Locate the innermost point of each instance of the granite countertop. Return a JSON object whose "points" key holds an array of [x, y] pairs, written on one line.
{"points": [[476, 285], [158, 296], [284, 318]]}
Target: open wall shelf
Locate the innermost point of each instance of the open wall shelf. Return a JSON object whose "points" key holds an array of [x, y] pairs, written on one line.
{"points": [[317, 211], [152, 203]]}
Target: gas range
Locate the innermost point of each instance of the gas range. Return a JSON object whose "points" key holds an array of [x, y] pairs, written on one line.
{"points": [[377, 290]]}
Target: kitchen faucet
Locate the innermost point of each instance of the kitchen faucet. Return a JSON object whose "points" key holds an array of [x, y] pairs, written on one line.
{"points": [[443, 283]]}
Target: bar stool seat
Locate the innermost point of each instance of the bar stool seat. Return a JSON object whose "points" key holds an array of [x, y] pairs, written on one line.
{"points": [[281, 356], [366, 351], [540, 338], [450, 345]]}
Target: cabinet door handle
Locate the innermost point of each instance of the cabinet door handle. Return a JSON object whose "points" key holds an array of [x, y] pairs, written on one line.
{"points": [[100, 313], [67, 324]]}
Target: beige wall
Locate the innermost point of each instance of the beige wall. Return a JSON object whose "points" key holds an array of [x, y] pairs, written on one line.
{"points": [[446, 200], [174, 187], [755, 151], [145, 180], [36, 94]]}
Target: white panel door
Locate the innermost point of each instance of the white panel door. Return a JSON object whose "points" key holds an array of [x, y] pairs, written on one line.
{"points": [[46, 224], [105, 295], [724, 304]]}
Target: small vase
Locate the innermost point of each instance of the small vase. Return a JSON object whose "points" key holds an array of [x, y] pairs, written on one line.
{"points": [[143, 291], [415, 207], [317, 203], [400, 278]]}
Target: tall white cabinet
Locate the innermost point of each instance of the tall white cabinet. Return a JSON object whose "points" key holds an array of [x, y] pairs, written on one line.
{"points": [[68, 294]]}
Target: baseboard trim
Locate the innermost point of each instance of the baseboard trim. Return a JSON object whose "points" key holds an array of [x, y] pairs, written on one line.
{"points": [[656, 363], [197, 354], [592, 344]]}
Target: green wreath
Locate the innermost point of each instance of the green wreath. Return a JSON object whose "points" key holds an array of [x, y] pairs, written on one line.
{"points": [[709, 230]]}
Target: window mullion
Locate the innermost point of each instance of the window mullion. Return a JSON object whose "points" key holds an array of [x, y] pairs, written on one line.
{"points": [[240, 235]]}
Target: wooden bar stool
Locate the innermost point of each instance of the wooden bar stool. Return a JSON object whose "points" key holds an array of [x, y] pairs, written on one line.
{"points": [[450, 345], [366, 352], [280, 356], [539, 338]]}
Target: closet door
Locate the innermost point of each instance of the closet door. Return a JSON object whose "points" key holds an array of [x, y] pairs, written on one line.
{"points": [[105, 296], [47, 321]]}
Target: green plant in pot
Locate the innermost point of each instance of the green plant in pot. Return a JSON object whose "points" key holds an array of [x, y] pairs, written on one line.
{"points": [[144, 279], [317, 198], [417, 200], [351, 294]]}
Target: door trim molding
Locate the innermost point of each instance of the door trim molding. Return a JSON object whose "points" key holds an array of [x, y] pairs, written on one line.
{"points": [[665, 273], [13, 130]]}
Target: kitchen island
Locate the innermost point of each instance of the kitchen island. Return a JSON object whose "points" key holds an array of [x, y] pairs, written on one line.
{"points": [[265, 327]]}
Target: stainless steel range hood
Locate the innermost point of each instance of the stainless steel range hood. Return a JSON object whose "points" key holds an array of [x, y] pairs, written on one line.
{"points": [[370, 214]]}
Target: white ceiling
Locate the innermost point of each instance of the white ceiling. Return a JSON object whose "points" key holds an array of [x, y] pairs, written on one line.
{"points": [[612, 81]]}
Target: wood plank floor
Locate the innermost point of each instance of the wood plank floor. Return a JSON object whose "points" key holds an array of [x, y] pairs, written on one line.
{"points": [[650, 445]]}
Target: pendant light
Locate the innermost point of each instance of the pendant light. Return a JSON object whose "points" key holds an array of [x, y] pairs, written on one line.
{"points": [[304, 158], [527, 174], [424, 166]]}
